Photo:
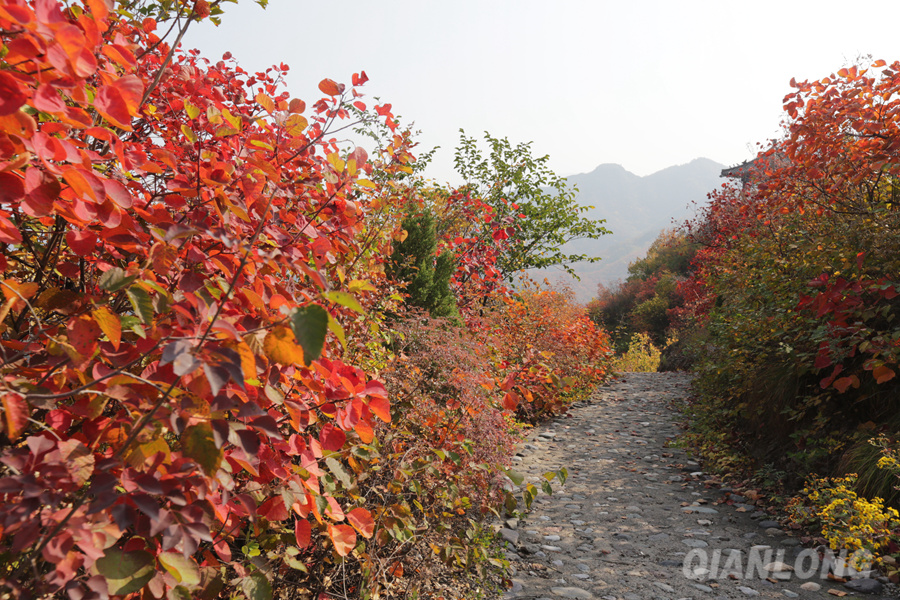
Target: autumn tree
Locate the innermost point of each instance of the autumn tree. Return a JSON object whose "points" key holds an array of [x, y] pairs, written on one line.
{"points": [[796, 281]]}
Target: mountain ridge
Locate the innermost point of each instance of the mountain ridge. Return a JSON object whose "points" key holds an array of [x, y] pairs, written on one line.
{"points": [[636, 209]]}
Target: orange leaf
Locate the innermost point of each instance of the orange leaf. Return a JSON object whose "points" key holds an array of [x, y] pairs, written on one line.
{"points": [[381, 408], [83, 334], [842, 384], [883, 374], [296, 106], [343, 537], [510, 400], [120, 55], [109, 324], [85, 184], [365, 431], [15, 414], [265, 102], [303, 533], [248, 360], [19, 291], [362, 521], [330, 87], [100, 8]]}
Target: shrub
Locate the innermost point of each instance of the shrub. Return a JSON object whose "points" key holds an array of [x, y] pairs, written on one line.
{"points": [[847, 521], [641, 357]]}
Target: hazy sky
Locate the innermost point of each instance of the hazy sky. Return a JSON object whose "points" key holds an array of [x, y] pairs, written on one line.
{"points": [[646, 84]]}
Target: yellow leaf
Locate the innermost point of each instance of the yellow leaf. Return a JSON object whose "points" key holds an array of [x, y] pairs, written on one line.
{"points": [[281, 346], [232, 119], [192, 111], [261, 144], [338, 331], [295, 125], [336, 162], [189, 134], [359, 285]]}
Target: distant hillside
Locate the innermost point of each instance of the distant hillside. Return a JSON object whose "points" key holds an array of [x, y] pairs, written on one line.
{"points": [[636, 209]]}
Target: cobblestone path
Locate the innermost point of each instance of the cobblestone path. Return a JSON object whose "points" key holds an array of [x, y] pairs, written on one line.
{"points": [[633, 509]]}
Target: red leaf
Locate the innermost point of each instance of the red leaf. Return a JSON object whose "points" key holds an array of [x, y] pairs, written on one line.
{"points": [[302, 533], [360, 78], [41, 191], [15, 414], [362, 521], [330, 87], [332, 438], [47, 100], [12, 96], [9, 233], [510, 400], [120, 100], [11, 189], [82, 242], [274, 509], [118, 193], [883, 374], [343, 537]]}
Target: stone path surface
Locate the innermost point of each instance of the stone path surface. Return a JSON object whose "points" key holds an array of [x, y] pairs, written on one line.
{"points": [[633, 509]]}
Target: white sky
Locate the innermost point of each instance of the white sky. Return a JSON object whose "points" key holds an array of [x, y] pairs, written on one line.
{"points": [[646, 84]]}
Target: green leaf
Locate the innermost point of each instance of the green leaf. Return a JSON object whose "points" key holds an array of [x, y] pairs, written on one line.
{"points": [[198, 443], [114, 280], [310, 324], [256, 587], [510, 503], [514, 476], [545, 485], [143, 306], [346, 300], [338, 470], [125, 572], [184, 570]]}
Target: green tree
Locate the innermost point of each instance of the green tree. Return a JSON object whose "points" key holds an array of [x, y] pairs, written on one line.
{"points": [[427, 276], [515, 183]]}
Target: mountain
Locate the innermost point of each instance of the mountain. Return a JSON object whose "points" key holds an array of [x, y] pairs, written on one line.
{"points": [[636, 209]]}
